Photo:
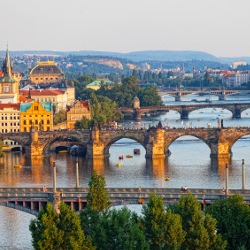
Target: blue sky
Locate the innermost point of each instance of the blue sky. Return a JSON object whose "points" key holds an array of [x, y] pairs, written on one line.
{"points": [[219, 27]]}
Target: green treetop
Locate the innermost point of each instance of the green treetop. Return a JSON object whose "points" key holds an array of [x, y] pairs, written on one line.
{"points": [[62, 231]]}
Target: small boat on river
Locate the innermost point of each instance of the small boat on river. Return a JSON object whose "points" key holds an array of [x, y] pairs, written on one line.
{"points": [[129, 156], [118, 164], [167, 179]]}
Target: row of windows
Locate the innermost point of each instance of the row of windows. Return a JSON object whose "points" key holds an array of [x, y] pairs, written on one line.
{"points": [[7, 143], [26, 116], [30, 122], [46, 78], [10, 124], [44, 99], [11, 130], [11, 118]]}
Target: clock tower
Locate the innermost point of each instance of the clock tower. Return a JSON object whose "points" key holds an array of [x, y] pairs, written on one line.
{"points": [[9, 84]]}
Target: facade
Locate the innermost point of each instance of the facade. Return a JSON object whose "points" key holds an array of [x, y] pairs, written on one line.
{"points": [[75, 113], [235, 79], [48, 76], [37, 115], [9, 117], [9, 82], [236, 64], [46, 72], [57, 97]]}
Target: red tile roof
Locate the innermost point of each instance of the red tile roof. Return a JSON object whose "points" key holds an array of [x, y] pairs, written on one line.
{"points": [[41, 92], [10, 105]]}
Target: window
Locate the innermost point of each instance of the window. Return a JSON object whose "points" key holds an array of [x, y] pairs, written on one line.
{"points": [[35, 107]]}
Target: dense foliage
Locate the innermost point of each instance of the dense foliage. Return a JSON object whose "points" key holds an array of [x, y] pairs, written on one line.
{"points": [[163, 230], [62, 231], [233, 221], [60, 117], [200, 230]]}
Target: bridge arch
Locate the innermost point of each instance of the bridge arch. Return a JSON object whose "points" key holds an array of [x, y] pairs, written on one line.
{"points": [[14, 138], [115, 139], [68, 139], [173, 139], [244, 136]]}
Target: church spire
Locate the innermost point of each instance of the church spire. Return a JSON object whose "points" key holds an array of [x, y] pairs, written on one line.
{"points": [[7, 67]]}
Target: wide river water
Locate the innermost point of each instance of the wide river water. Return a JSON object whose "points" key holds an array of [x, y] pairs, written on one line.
{"points": [[189, 164]]}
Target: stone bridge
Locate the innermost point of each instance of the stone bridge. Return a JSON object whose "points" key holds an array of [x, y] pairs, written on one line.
{"points": [[178, 94], [33, 200], [185, 109], [155, 140]]}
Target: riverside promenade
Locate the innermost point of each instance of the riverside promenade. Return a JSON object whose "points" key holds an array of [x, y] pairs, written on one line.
{"points": [[32, 200]]}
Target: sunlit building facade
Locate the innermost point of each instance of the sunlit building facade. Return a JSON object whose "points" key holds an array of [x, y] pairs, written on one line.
{"points": [[37, 115]]}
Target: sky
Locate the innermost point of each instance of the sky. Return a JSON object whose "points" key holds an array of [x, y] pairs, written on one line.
{"points": [[218, 27]]}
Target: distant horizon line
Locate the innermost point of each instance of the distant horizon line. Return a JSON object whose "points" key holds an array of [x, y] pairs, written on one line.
{"points": [[119, 52]]}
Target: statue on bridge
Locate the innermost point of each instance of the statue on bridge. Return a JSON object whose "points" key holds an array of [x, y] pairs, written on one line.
{"points": [[159, 125]]}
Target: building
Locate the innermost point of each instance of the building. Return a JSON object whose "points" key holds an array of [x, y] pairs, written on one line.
{"points": [[75, 113], [236, 64], [9, 82], [9, 117], [48, 76], [37, 115], [234, 79], [57, 97], [46, 72]]}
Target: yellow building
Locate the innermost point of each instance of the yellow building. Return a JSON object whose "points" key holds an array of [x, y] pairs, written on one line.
{"points": [[38, 115], [9, 82], [79, 110], [46, 72]]}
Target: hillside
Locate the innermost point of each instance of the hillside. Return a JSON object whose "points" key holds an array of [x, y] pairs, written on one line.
{"points": [[152, 55]]}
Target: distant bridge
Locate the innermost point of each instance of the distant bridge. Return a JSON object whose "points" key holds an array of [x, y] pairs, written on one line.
{"points": [[33, 200], [178, 94], [185, 109]]}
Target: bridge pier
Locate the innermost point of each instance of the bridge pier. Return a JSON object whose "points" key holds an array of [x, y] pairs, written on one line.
{"points": [[184, 113], [137, 115], [178, 98], [221, 151], [95, 148], [236, 113], [222, 97]]}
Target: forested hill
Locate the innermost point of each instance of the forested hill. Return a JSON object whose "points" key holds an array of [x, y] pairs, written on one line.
{"points": [[136, 56]]}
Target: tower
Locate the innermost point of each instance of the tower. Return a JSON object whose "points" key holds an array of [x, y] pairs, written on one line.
{"points": [[9, 85]]}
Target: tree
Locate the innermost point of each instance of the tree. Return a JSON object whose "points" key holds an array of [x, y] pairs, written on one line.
{"points": [[119, 229], [58, 231], [60, 117], [84, 123], [199, 229], [97, 198], [233, 217], [103, 110], [163, 230], [149, 97]]}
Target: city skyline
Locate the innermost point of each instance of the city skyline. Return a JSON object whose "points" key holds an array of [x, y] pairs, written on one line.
{"points": [[215, 27]]}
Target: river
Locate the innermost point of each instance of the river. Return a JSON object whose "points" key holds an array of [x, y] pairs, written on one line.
{"points": [[189, 164]]}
